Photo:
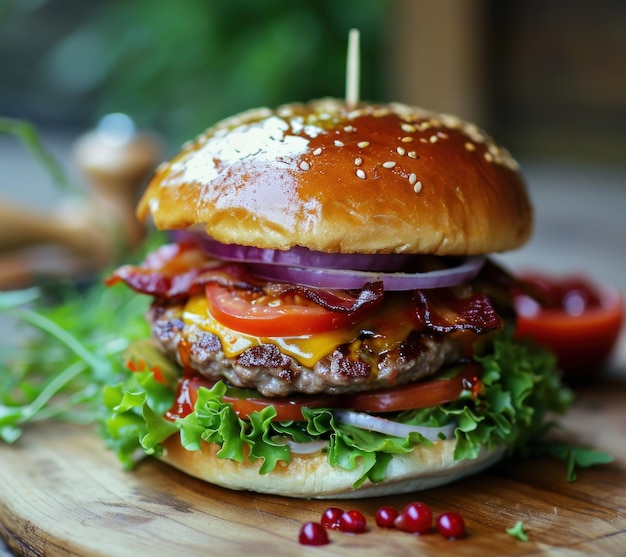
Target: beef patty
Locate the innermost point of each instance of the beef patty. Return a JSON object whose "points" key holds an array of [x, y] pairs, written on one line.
{"points": [[351, 367]]}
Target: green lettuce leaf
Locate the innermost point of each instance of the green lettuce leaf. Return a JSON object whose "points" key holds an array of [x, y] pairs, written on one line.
{"points": [[216, 422], [135, 419]]}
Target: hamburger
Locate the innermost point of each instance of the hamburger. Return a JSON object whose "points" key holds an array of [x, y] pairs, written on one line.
{"points": [[326, 319]]}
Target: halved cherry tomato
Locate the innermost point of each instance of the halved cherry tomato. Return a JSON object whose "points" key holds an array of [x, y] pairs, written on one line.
{"points": [[258, 314], [422, 394], [581, 322]]}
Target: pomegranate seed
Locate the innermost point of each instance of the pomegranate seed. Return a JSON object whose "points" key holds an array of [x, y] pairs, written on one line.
{"points": [[451, 525], [352, 521], [417, 518], [313, 533], [331, 516], [385, 517]]}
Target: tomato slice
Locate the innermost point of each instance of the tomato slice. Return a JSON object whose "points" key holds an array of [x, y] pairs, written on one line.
{"points": [[258, 314], [423, 394], [244, 401]]}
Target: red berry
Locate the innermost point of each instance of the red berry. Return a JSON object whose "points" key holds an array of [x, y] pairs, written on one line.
{"points": [[313, 533], [352, 521], [417, 518], [385, 517], [331, 516], [451, 525]]}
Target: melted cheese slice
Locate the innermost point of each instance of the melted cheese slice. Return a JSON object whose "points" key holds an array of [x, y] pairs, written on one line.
{"points": [[308, 349]]}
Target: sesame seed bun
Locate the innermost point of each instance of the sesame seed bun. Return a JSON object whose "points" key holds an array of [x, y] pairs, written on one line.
{"points": [[376, 179], [312, 476]]}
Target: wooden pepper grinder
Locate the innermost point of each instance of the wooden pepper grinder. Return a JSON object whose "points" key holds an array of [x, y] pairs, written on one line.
{"points": [[116, 159], [82, 234]]}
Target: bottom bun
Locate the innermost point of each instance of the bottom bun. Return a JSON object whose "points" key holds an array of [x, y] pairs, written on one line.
{"points": [[311, 477]]}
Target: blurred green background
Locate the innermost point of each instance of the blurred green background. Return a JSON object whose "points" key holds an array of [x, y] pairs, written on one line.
{"points": [[178, 66], [547, 78]]}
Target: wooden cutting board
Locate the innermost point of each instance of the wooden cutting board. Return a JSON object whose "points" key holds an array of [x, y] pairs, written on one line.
{"points": [[62, 493]]}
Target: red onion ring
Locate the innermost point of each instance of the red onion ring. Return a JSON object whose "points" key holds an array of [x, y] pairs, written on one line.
{"points": [[308, 448], [347, 280], [363, 420], [297, 256], [342, 271]]}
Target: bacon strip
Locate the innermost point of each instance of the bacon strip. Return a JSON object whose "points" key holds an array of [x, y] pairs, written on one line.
{"points": [[444, 311], [171, 271], [341, 301], [181, 270]]}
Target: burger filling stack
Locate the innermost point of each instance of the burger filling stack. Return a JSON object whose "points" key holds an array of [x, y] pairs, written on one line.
{"points": [[326, 318]]}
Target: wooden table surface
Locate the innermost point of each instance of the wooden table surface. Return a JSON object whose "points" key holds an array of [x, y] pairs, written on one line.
{"points": [[64, 494]]}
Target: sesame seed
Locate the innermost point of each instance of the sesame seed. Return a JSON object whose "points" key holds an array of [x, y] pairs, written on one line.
{"points": [[349, 129], [408, 128], [442, 135], [488, 156], [412, 154], [401, 151], [360, 173], [474, 133], [338, 143], [363, 144], [389, 164], [304, 165], [407, 139], [284, 111], [412, 178], [358, 161], [451, 121], [433, 139], [417, 187], [318, 151], [423, 140], [470, 146]]}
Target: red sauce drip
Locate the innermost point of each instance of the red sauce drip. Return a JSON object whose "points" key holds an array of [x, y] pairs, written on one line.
{"points": [[186, 396], [184, 348], [473, 384]]}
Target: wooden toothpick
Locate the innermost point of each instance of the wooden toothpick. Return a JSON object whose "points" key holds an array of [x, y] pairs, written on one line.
{"points": [[353, 69]]}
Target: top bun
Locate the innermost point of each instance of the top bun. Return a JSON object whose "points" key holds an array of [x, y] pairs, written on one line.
{"points": [[375, 179]]}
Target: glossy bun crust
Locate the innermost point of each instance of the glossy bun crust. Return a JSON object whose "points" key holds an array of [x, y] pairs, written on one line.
{"points": [[311, 477], [376, 179]]}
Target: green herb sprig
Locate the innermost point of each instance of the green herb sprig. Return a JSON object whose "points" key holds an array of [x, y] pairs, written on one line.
{"points": [[575, 456], [518, 531], [27, 133], [70, 350]]}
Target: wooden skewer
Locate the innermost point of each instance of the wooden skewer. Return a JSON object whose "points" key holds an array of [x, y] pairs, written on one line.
{"points": [[353, 70]]}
